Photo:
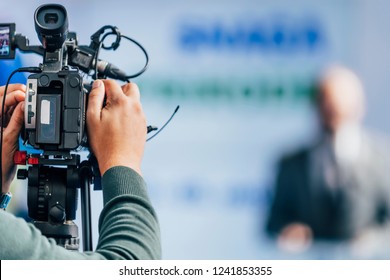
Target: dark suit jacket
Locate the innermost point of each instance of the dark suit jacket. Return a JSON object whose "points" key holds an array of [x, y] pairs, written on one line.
{"points": [[334, 209]]}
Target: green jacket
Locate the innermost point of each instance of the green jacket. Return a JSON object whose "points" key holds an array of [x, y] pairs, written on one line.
{"points": [[128, 226]]}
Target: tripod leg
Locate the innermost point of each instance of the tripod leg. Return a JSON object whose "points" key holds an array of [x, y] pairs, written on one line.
{"points": [[86, 213]]}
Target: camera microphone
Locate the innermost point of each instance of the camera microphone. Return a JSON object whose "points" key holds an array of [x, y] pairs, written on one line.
{"points": [[111, 71]]}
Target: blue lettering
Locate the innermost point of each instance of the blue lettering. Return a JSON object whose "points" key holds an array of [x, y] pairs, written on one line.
{"points": [[276, 36], [256, 37], [313, 36], [192, 37]]}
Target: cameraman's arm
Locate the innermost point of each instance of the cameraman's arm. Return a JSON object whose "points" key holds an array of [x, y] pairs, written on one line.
{"points": [[128, 227]]}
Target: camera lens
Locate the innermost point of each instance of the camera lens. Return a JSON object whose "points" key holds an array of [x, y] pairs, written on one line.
{"points": [[51, 24], [51, 18]]}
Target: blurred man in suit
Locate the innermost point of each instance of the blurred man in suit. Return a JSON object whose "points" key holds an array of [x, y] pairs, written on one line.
{"points": [[338, 187]]}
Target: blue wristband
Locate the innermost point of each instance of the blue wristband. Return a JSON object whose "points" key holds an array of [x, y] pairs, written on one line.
{"points": [[5, 199]]}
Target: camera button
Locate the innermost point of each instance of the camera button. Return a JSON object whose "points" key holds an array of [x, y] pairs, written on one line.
{"points": [[30, 114], [44, 80], [31, 92], [74, 82]]}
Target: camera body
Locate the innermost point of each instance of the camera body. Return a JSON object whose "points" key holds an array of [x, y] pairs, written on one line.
{"points": [[56, 99], [55, 109]]}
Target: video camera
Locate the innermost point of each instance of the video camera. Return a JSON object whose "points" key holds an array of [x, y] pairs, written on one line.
{"points": [[55, 109]]}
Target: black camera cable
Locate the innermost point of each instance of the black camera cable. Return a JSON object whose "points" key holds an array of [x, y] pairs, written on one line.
{"points": [[111, 70], [114, 72], [152, 128]]}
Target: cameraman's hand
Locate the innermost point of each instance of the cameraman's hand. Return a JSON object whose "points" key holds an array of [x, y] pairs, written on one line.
{"points": [[14, 118], [117, 131]]}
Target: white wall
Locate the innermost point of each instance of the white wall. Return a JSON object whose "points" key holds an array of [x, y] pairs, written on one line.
{"points": [[242, 100]]}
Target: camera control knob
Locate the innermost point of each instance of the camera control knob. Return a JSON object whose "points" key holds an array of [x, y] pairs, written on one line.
{"points": [[31, 92], [20, 157], [44, 80], [22, 174], [74, 82], [57, 213], [30, 114]]}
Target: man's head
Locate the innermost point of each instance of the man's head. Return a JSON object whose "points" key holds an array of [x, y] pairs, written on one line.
{"points": [[340, 98]]}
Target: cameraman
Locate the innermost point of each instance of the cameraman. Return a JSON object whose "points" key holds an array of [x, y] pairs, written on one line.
{"points": [[128, 226]]}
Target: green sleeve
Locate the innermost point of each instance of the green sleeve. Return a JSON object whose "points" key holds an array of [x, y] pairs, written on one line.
{"points": [[128, 226]]}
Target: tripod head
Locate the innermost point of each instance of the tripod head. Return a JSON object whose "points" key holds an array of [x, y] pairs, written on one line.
{"points": [[53, 196]]}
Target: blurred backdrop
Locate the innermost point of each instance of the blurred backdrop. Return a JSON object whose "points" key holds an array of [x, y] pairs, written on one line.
{"points": [[242, 73]]}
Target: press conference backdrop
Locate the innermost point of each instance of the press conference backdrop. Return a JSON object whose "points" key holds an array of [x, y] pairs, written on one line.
{"points": [[242, 73]]}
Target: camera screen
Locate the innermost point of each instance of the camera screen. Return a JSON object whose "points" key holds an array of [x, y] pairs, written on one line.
{"points": [[49, 113], [6, 33]]}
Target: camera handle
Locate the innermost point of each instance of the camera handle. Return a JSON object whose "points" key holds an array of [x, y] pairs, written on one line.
{"points": [[21, 42]]}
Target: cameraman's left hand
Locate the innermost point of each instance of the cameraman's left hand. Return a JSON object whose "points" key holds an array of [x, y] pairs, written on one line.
{"points": [[13, 122]]}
